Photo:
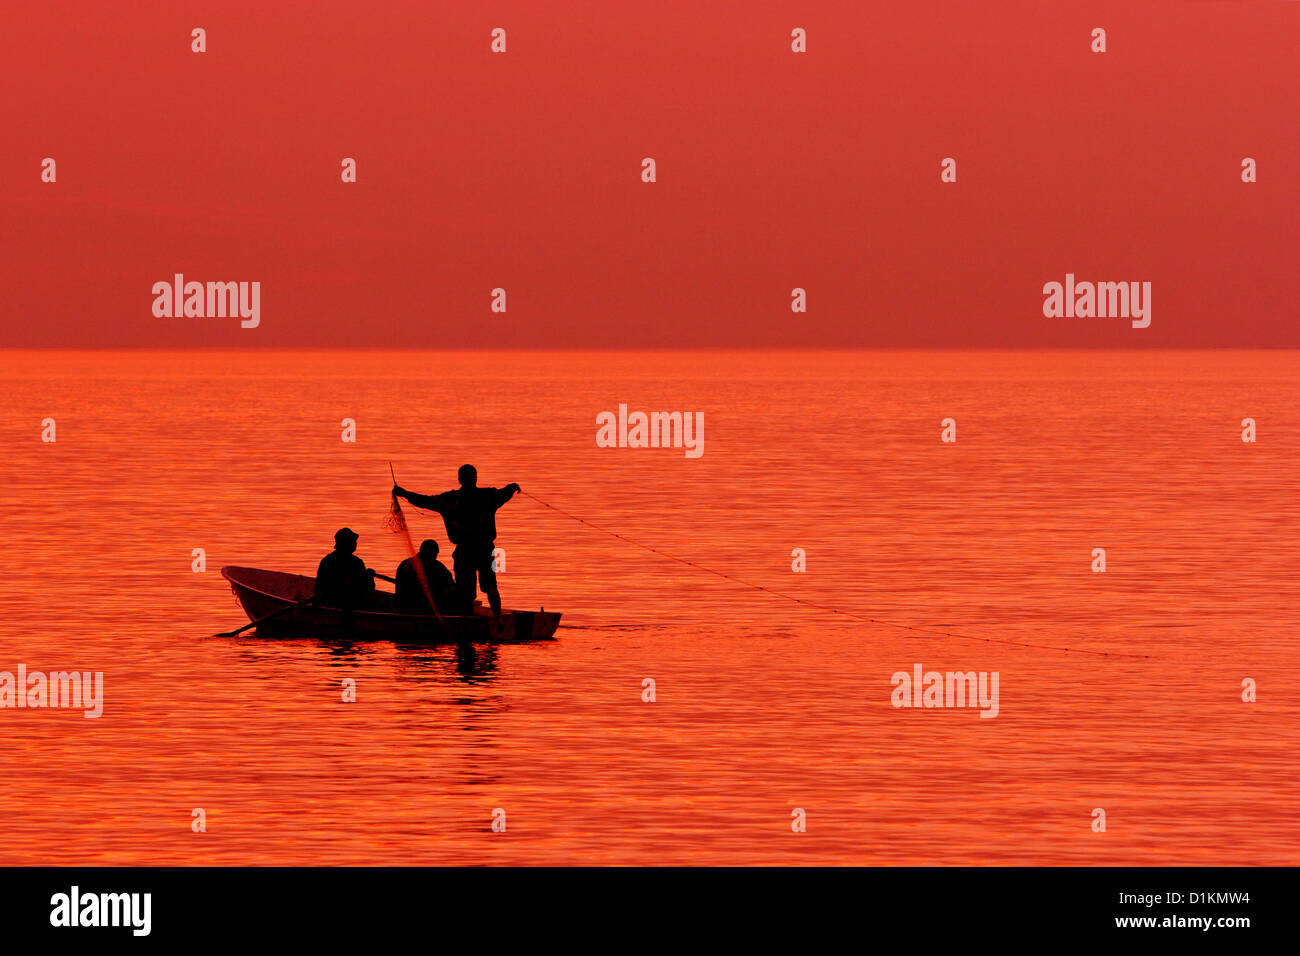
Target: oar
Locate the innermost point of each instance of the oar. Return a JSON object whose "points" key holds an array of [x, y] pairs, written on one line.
{"points": [[384, 577], [263, 620]]}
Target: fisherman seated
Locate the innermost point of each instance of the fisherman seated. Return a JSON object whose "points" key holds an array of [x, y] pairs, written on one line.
{"points": [[411, 597], [343, 580]]}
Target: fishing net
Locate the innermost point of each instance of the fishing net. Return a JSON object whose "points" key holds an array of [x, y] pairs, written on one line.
{"points": [[396, 523]]}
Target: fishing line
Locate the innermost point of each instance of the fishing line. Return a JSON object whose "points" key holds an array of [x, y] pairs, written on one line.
{"points": [[823, 607]]}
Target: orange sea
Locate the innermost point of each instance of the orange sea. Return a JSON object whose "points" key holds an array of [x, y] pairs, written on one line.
{"points": [[762, 706]]}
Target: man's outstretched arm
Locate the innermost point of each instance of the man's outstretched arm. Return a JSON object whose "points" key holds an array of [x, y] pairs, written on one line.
{"points": [[427, 502]]}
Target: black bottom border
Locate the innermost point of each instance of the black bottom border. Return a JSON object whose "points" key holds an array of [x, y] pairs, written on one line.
{"points": [[334, 905]]}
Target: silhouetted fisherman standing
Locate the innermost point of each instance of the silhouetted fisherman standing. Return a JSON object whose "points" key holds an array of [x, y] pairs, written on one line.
{"points": [[469, 514]]}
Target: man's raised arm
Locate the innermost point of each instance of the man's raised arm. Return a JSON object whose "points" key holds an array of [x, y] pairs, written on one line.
{"points": [[427, 502], [507, 493]]}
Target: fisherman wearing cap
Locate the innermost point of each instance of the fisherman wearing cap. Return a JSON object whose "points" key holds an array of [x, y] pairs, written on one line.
{"points": [[343, 580]]}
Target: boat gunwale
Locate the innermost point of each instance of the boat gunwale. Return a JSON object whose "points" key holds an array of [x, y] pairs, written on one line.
{"points": [[384, 614]]}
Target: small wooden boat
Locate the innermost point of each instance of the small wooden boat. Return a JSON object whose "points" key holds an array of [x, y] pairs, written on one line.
{"points": [[266, 592]]}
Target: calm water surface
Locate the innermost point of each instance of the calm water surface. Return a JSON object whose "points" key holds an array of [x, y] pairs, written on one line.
{"points": [[762, 706]]}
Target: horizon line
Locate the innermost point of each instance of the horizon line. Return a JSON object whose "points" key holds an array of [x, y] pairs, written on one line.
{"points": [[650, 350]]}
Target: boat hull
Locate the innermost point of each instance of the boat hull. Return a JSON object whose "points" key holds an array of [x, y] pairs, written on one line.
{"points": [[262, 592]]}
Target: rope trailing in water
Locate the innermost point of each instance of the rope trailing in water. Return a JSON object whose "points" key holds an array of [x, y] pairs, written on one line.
{"points": [[823, 607]]}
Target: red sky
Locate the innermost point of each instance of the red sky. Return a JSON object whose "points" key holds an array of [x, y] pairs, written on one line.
{"points": [[775, 170]]}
